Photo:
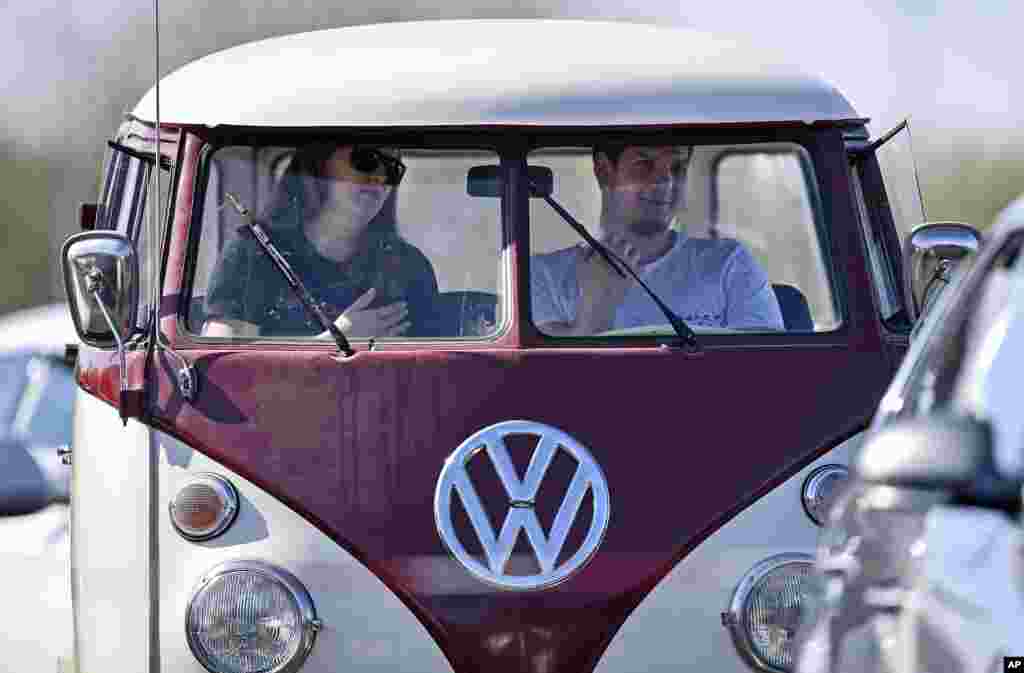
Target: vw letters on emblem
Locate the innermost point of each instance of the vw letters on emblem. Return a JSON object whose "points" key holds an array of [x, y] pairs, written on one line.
{"points": [[521, 515]]}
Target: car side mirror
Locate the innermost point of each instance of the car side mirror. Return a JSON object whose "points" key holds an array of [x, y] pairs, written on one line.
{"points": [[930, 254], [101, 278]]}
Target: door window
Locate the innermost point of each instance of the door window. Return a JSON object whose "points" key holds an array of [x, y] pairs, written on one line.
{"points": [[125, 207], [386, 239], [730, 237]]}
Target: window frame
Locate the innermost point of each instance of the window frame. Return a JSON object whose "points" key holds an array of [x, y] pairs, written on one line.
{"points": [[813, 140]]}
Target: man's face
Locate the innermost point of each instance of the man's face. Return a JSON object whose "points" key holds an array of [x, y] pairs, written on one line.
{"points": [[641, 190]]}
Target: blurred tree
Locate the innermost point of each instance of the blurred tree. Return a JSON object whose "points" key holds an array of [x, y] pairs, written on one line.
{"points": [[973, 177], [25, 263]]}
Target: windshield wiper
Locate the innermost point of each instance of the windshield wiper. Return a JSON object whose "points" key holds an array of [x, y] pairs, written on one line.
{"points": [[683, 331], [293, 280]]}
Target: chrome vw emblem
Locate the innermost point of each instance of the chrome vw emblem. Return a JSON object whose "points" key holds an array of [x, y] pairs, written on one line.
{"points": [[521, 516]]}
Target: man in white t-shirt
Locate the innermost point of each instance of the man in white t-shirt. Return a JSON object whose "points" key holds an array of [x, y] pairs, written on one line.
{"points": [[707, 282]]}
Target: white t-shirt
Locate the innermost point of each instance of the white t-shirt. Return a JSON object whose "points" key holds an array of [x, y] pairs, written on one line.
{"points": [[707, 282]]}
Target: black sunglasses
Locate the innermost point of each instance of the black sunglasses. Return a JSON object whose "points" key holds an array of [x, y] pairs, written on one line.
{"points": [[369, 160]]}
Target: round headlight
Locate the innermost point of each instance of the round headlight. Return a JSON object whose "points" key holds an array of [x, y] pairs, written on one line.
{"points": [[821, 488], [767, 607], [203, 507], [249, 617]]}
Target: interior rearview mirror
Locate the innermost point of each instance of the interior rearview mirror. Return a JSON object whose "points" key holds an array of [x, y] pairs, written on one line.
{"points": [[101, 279], [489, 181], [930, 254]]}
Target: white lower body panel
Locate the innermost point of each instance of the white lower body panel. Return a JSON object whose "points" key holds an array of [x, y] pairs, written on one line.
{"points": [[110, 539], [678, 627], [366, 628]]}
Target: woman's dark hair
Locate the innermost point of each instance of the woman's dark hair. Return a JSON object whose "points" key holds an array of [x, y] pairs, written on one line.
{"points": [[303, 184]]}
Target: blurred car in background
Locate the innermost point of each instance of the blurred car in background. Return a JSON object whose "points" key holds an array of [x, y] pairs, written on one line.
{"points": [[36, 396], [922, 565]]}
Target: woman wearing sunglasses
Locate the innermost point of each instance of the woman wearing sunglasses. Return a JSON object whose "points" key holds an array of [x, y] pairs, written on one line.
{"points": [[332, 216]]}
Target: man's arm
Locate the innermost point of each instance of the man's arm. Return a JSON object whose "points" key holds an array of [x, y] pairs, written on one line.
{"points": [[601, 292]]}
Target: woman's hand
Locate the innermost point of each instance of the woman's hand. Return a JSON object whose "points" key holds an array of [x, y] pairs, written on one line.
{"points": [[359, 321]]}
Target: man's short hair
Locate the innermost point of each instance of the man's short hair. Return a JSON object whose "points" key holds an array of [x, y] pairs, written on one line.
{"points": [[614, 150]]}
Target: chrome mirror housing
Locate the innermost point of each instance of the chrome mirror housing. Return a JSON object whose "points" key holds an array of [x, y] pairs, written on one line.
{"points": [[101, 279], [930, 254]]}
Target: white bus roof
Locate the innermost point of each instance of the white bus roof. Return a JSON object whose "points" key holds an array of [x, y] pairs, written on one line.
{"points": [[492, 72]]}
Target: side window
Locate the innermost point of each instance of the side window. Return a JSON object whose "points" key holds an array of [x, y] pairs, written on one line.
{"points": [[123, 195], [125, 207], [886, 281], [45, 409], [387, 241], [768, 199], [899, 174], [889, 203]]}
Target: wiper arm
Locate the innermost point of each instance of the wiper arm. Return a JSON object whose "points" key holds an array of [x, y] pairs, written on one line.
{"points": [[683, 331], [293, 280]]}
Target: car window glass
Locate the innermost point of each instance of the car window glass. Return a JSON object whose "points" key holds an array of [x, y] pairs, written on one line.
{"points": [[12, 373], [899, 173], [885, 281], [748, 250], [764, 198], [914, 388], [429, 251], [125, 207], [148, 266], [121, 205], [44, 412], [987, 377]]}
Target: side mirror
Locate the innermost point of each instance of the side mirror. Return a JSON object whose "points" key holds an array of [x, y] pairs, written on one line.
{"points": [[101, 278], [489, 181], [930, 254]]}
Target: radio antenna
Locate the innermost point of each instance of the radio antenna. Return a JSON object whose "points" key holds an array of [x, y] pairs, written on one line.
{"points": [[186, 375], [917, 178], [153, 247]]}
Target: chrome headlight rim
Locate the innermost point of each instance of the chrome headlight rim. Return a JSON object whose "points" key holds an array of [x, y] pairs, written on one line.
{"points": [[311, 625], [734, 616], [815, 501], [228, 494]]}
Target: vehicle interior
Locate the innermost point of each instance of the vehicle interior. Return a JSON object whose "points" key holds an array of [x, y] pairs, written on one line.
{"points": [[763, 195]]}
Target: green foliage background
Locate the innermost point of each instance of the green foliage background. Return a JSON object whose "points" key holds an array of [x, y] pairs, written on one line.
{"points": [[971, 176], [25, 229]]}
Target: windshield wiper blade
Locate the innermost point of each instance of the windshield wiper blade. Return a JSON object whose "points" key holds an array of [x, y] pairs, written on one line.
{"points": [[683, 331], [294, 282]]}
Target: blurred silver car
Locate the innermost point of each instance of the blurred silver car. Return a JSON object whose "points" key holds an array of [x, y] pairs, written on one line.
{"points": [[36, 395], [922, 565]]}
